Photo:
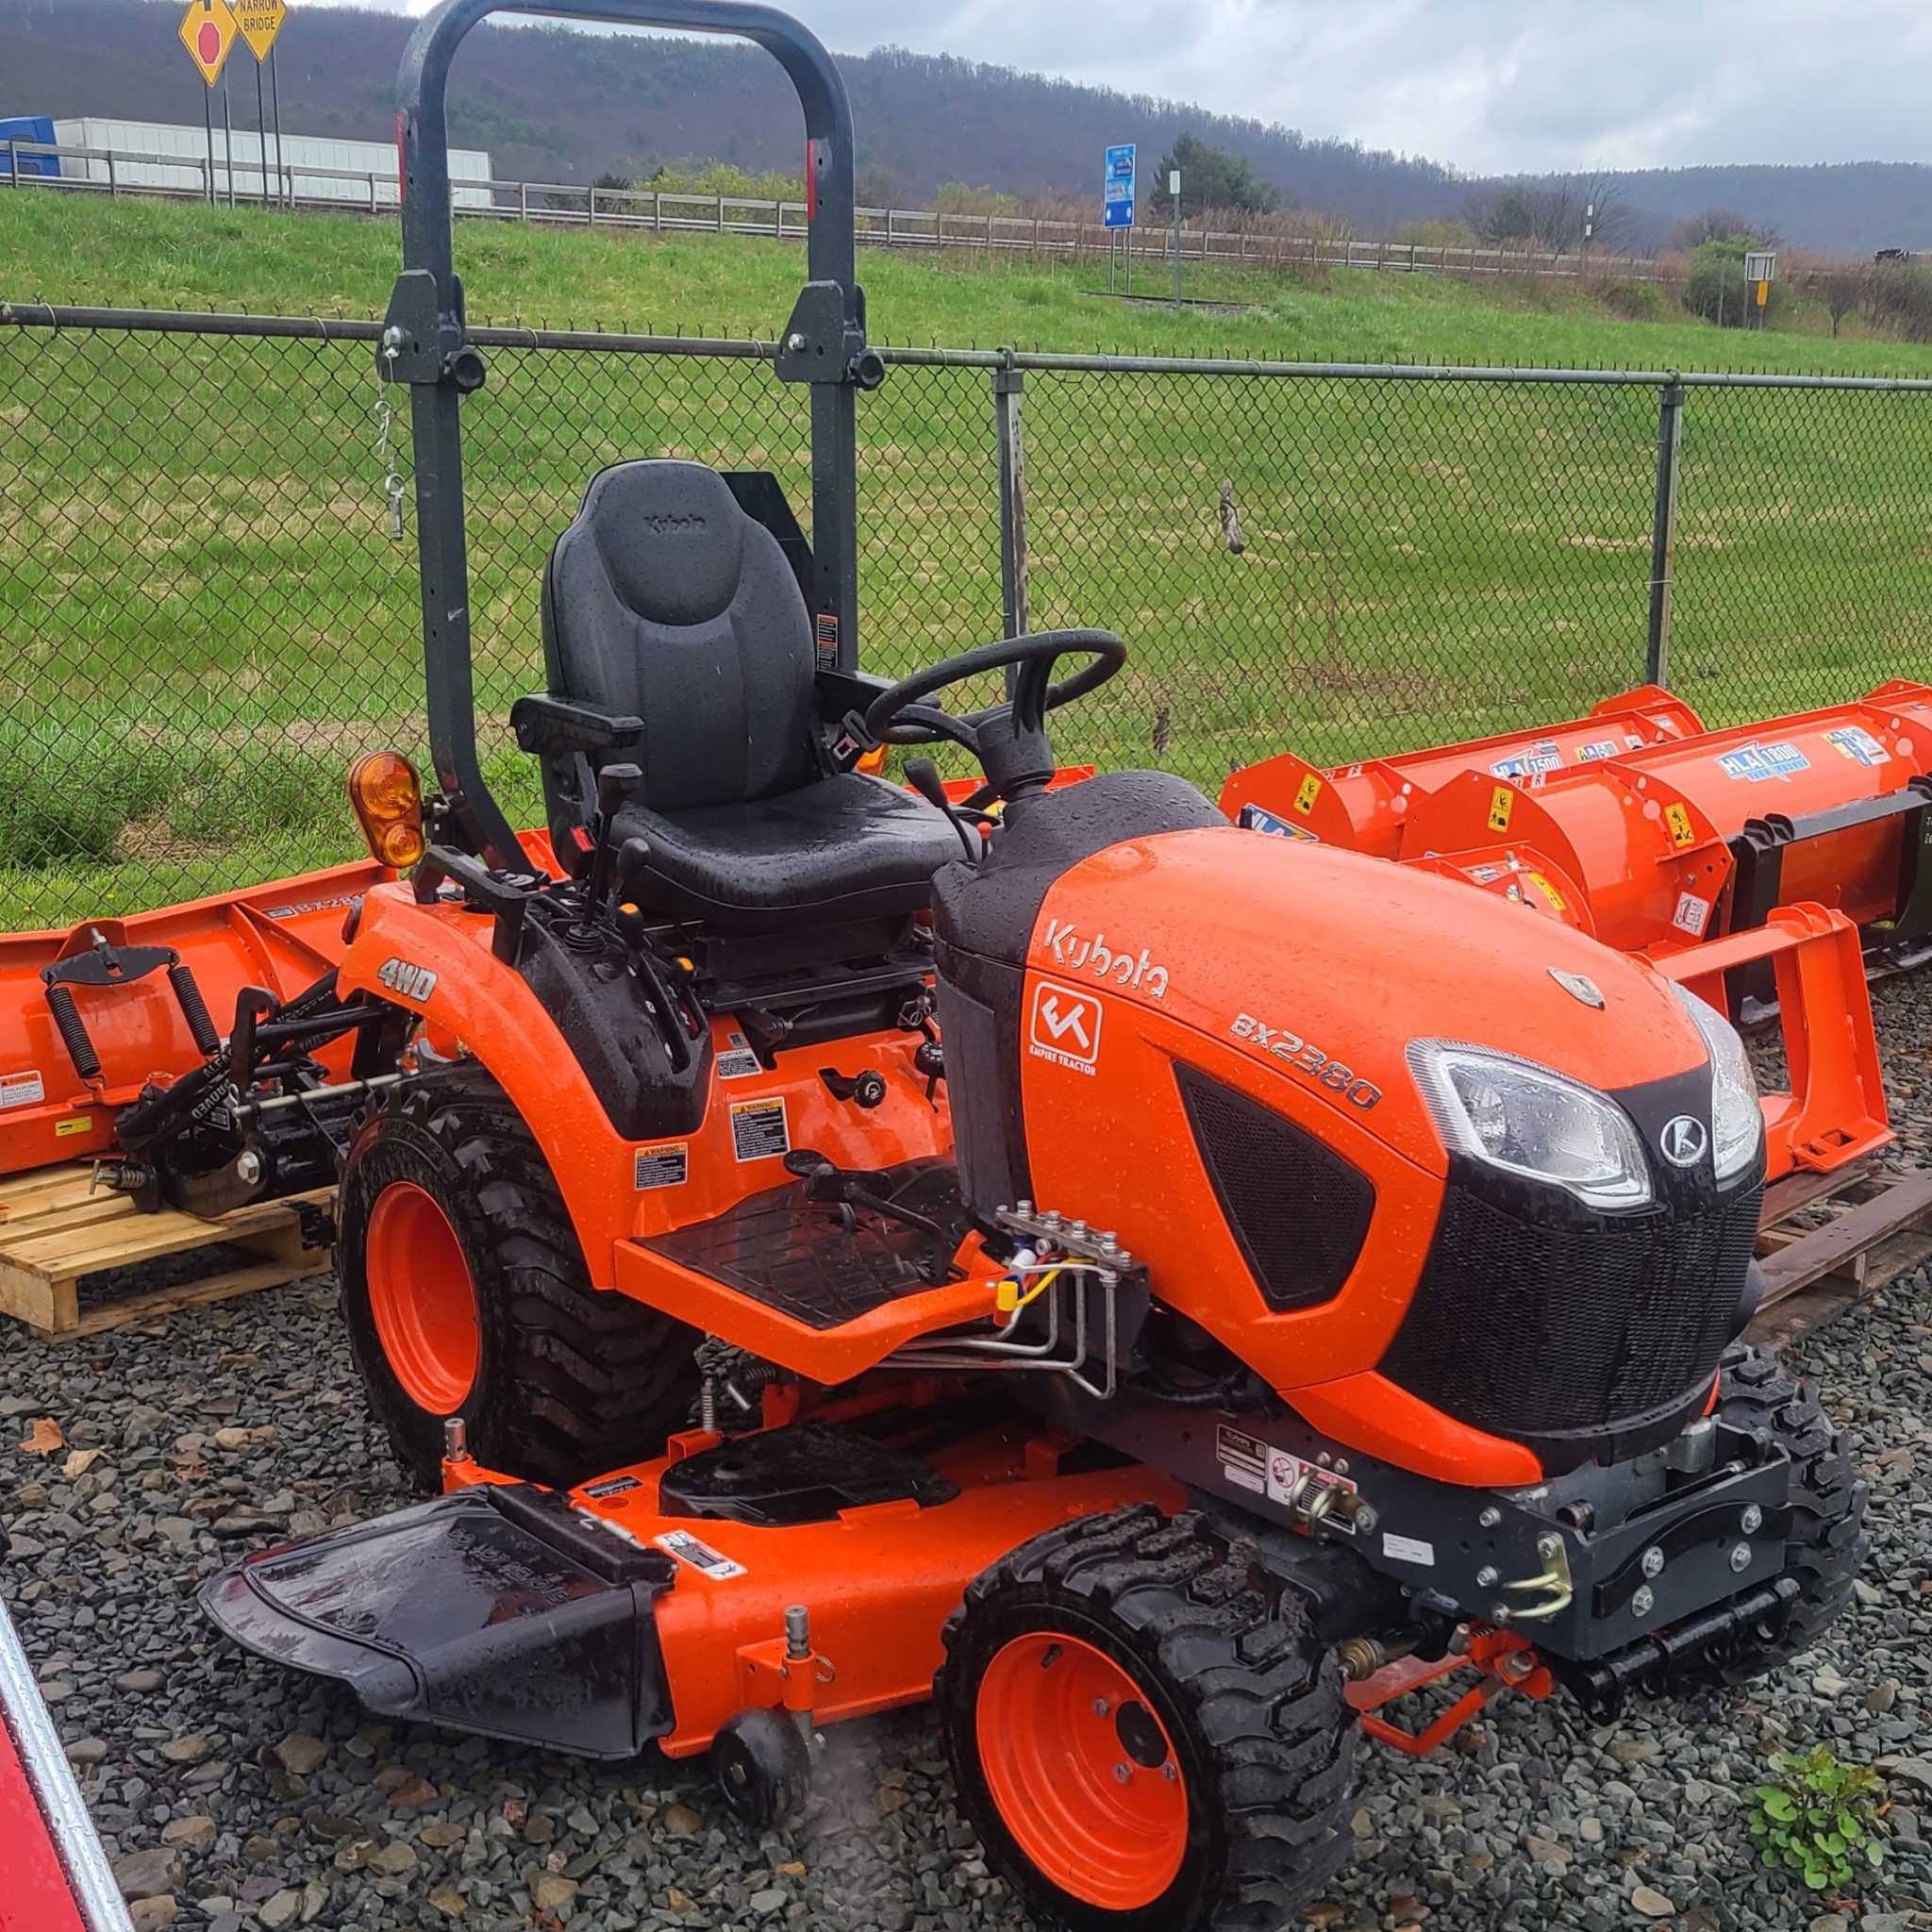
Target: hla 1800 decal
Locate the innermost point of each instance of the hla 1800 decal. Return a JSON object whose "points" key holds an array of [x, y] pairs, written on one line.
{"points": [[1096, 956], [1300, 1058]]}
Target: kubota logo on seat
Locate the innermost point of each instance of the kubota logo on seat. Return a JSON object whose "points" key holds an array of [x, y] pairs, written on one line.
{"points": [[1094, 956], [1066, 1027]]}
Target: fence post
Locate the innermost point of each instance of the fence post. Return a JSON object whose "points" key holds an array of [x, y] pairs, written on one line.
{"points": [[13, 160], [1663, 534], [1009, 386]]}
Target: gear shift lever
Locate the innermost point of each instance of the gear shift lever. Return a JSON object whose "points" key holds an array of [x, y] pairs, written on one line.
{"points": [[617, 784]]}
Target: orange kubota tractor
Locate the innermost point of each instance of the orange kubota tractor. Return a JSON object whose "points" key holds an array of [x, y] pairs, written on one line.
{"points": [[1170, 1290]]}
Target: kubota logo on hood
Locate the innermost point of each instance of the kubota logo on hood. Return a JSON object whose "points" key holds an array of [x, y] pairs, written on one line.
{"points": [[1075, 954]]}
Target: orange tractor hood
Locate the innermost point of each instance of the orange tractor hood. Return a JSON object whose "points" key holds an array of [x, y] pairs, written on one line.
{"points": [[1323, 963]]}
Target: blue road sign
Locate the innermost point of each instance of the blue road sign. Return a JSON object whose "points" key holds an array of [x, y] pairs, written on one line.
{"points": [[1117, 188]]}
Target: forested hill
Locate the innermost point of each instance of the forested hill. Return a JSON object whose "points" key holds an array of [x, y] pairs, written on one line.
{"points": [[550, 104]]}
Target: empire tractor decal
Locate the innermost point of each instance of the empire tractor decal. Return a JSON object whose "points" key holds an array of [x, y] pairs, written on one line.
{"points": [[1066, 1027]]}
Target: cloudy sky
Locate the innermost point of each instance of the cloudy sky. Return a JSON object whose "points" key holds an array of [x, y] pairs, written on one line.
{"points": [[1488, 85]]}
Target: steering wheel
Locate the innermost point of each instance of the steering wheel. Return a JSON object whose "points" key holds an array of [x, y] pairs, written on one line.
{"points": [[1009, 740]]}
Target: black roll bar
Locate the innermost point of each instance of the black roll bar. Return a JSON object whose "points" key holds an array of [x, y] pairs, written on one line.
{"points": [[425, 344]]}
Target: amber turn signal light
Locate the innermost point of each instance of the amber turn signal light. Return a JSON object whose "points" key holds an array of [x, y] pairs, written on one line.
{"points": [[385, 795]]}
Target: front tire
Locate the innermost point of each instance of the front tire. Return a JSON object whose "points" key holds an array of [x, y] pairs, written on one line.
{"points": [[1145, 1732], [466, 1294], [1827, 1545]]}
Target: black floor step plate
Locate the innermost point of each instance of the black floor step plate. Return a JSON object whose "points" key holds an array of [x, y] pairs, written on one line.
{"points": [[793, 1255]]}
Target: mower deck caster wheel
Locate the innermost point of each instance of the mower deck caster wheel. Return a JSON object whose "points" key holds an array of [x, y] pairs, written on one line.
{"points": [[763, 1766]]}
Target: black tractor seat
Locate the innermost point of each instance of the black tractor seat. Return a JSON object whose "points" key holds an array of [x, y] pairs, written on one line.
{"points": [[663, 602]]}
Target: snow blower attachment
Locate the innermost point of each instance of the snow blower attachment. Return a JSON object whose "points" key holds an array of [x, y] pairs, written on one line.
{"points": [[1147, 1286]]}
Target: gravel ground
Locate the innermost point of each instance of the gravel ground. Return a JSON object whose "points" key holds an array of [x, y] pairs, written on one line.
{"points": [[233, 1796]]}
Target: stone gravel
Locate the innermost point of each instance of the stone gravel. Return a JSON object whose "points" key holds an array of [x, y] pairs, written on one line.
{"points": [[233, 1797]]}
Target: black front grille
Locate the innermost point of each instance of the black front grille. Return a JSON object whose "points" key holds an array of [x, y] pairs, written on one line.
{"points": [[1531, 1330], [1299, 1212]]}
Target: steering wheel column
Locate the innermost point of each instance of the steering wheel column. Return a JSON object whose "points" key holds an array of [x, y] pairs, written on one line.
{"points": [[1009, 740]]}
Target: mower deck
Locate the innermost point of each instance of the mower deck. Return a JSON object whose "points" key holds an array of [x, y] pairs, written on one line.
{"points": [[651, 1604]]}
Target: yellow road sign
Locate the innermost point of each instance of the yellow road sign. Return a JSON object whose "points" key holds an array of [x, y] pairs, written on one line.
{"points": [[260, 20], [208, 31]]}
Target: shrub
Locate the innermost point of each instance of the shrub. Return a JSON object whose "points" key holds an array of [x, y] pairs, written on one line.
{"points": [[1633, 301], [1818, 1818]]}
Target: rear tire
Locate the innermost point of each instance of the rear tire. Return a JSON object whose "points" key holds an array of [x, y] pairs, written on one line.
{"points": [[1827, 1545], [555, 1380], [1145, 1732]]}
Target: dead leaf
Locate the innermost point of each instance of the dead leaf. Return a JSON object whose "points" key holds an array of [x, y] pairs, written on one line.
{"points": [[80, 1461], [44, 1437]]}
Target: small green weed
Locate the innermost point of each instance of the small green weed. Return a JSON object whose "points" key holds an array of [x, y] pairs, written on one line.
{"points": [[1818, 1817]]}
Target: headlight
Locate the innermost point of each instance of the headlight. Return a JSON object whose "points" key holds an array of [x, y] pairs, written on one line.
{"points": [[1524, 1119], [1737, 1121]]}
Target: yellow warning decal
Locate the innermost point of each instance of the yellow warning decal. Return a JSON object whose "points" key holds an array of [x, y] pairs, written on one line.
{"points": [[1558, 902], [79, 1123], [1682, 831], [1305, 799], [1502, 803]]}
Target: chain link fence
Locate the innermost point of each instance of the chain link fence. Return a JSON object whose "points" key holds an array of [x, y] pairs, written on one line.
{"points": [[209, 604]]}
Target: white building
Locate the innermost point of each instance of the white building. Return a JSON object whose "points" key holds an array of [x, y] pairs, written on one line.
{"points": [[156, 155]]}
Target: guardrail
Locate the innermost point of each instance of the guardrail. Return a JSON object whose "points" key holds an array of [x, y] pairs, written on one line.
{"points": [[299, 184]]}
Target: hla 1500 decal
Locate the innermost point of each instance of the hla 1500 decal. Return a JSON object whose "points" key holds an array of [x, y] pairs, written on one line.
{"points": [[1096, 956], [1300, 1058]]}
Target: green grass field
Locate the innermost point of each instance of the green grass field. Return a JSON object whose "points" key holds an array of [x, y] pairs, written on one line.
{"points": [[203, 614]]}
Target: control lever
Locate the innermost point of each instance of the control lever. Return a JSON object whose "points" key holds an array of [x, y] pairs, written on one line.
{"points": [[924, 777], [617, 784], [632, 856], [679, 1020]]}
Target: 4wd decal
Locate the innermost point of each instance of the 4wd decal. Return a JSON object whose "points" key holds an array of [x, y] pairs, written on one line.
{"points": [[407, 981], [1065, 1027], [1074, 954], [1298, 1057]]}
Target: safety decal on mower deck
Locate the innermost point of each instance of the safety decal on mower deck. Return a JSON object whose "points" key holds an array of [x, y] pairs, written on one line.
{"points": [[758, 1131], [668, 1166], [22, 1090], [700, 1556]]}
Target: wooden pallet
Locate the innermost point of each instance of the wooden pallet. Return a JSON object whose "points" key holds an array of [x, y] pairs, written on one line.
{"points": [[54, 1231], [1829, 1241]]}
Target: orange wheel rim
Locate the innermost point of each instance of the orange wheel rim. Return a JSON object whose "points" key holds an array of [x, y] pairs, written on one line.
{"points": [[1082, 1772], [421, 1298]]}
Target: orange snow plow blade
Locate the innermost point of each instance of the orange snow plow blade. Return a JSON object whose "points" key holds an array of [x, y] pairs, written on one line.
{"points": [[1363, 808], [282, 937]]}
